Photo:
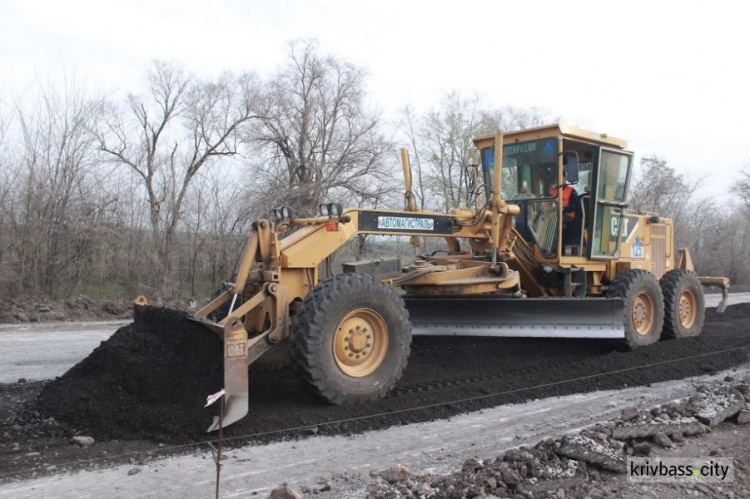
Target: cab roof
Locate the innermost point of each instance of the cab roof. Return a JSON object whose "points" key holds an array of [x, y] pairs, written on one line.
{"points": [[555, 130]]}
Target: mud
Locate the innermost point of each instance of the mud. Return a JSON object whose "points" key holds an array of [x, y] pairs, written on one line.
{"points": [[150, 380]]}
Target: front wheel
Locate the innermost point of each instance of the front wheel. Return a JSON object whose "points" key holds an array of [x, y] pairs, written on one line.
{"points": [[644, 307], [684, 304], [351, 339]]}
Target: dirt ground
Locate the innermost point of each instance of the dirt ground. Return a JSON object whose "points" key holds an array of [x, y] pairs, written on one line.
{"points": [[711, 424], [78, 308], [727, 440]]}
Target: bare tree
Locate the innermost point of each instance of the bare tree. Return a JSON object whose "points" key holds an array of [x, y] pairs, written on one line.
{"points": [[659, 188], [55, 207], [442, 145], [167, 135], [317, 139], [742, 188]]}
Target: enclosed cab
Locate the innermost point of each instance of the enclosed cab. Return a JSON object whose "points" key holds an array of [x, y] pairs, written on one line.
{"points": [[574, 216]]}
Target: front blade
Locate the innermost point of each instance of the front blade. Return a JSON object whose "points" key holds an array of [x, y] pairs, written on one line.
{"points": [[517, 317], [236, 381]]}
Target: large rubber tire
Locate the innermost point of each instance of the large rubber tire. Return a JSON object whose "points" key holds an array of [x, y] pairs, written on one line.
{"points": [[320, 346], [644, 307], [684, 304]]}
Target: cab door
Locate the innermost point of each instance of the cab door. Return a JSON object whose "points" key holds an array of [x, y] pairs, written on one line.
{"points": [[612, 182]]}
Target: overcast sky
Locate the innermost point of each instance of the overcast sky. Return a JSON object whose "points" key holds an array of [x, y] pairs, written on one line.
{"points": [[670, 77]]}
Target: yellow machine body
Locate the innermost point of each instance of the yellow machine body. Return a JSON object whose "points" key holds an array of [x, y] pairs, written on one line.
{"points": [[518, 246]]}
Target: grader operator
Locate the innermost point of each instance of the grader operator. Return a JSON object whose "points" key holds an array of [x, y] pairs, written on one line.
{"points": [[516, 264]]}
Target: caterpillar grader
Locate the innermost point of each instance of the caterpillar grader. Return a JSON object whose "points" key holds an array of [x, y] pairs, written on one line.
{"points": [[545, 248]]}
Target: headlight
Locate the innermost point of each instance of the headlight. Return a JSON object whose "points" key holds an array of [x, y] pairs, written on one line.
{"points": [[324, 210], [335, 209], [287, 212], [276, 213]]}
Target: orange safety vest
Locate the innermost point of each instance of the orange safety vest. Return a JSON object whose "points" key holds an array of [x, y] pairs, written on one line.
{"points": [[567, 191]]}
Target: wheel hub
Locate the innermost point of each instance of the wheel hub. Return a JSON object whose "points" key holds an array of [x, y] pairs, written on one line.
{"points": [[360, 342], [643, 314], [686, 309]]}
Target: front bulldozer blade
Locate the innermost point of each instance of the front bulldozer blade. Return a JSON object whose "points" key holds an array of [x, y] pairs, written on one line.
{"points": [[236, 383], [517, 317]]}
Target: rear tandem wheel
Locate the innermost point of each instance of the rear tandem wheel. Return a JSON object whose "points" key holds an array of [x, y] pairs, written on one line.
{"points": [[684, 304], [644, 306], [351, 339]]}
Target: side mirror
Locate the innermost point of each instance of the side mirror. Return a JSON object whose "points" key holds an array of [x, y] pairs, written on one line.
{"points": [[570, 162]]}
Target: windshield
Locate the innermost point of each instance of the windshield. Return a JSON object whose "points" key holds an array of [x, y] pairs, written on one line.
{"points": [[529, 169]]}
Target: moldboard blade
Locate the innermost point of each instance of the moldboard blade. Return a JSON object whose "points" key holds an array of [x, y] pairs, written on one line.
{"points": [[517, 317]]}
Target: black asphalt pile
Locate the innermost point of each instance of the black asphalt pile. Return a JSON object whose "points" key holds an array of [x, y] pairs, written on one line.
{"points": [[579, 465], [148, 380]]}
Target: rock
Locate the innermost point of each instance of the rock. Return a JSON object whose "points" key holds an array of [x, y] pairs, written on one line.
{"points": [[689, 427], [715, 415], [471, 466], [743, 417], [697, 397], [22, 380], [662, 440], [82, 441], [510, 477], [629, 413], [728, 379], [33, 454], [285, 492], [642, 449], [581, 453], [134, 471], [396, 474], [492, 483]]}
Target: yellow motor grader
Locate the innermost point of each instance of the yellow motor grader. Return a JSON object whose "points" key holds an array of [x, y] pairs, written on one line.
{"points": [[547, 249]]}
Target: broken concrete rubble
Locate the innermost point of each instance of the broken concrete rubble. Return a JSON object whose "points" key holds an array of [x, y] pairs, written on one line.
{"points": [[570, 463]]}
